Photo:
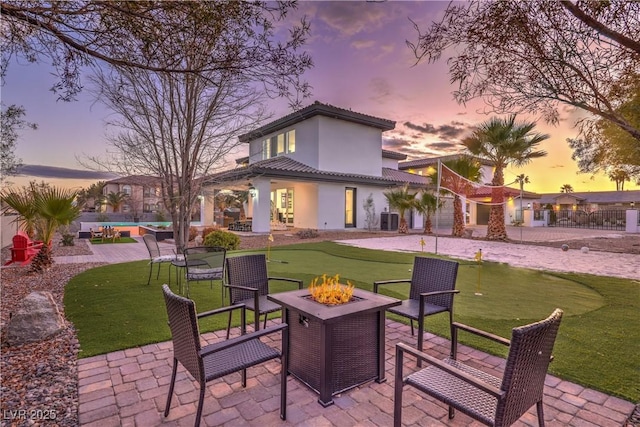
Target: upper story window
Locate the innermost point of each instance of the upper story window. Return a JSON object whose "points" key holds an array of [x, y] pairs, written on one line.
{"points": [[126, 189], [150, 191], [283, 143]]}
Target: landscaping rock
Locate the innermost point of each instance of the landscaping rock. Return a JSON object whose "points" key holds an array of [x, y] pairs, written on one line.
{"points": [[36, 318]]}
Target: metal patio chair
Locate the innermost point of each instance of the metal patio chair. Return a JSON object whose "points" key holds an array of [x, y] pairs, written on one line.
{"points": [[205, 263], [222, 358], [156, 256], [490, 400], [248, 284], [432, 287]]}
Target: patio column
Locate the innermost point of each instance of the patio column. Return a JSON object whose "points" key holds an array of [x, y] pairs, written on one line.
{"points": [[261, 206]]}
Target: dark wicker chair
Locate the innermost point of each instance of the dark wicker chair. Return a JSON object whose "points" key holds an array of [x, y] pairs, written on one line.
{"points": [[205, 263], [248, 284], [432, 289], [219, 359], [492, 401], [157, 257]]}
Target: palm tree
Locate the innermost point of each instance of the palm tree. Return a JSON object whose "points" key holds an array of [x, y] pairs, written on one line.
{"points": [[401, 200], [468, 170], [91, 196], [566, 188], [45, 209], [503, 142], [116, 200], [619, 176], [427, 204], [522, 179]]}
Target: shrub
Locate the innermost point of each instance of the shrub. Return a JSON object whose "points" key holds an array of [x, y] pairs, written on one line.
{"points": [[193, 232], [227, 240], [67, 240], [208, 230], [307, 233], [159, 217]]}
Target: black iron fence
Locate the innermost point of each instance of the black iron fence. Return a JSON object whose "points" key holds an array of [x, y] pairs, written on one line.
{"points": [[614, 219]]}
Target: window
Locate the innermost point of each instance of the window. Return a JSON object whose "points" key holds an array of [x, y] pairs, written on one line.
{"points": [[283, 143], [126, 189], [349, 207], [291, 141]]}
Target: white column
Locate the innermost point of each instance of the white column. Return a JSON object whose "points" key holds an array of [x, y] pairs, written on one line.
{"points": [[261, 206]]}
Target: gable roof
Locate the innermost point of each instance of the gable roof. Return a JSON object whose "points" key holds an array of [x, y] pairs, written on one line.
{"points": [[285, 167], [315, 109], [433, 161]]}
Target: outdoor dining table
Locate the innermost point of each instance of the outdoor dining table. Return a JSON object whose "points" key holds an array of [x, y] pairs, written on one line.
{"points": [[335, 348]]}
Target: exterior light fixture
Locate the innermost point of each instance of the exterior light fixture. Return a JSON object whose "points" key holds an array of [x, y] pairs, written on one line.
{"points": [[252, 190]]}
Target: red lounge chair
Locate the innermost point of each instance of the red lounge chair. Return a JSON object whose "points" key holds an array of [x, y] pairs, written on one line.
{"points": [[24, 249]]}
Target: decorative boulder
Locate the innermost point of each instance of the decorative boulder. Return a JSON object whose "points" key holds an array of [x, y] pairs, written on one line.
{"points": [[36, 318]]}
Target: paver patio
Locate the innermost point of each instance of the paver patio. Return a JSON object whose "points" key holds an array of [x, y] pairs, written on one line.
{"points": [[129, 388]]}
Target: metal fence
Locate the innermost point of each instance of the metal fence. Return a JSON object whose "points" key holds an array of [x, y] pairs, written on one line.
{"points": [[614, 219]]}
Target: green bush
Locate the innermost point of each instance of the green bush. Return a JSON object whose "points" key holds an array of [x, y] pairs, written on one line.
{"points": [[227, 240], [67, 240], [208, 230]]}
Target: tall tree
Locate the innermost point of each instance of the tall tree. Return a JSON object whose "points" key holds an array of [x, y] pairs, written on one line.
{"points": [[503, 142], [72, 35], [11, 122], [619, 176], [566, 188], [91, 196], [604, 147], [401, 200], [116, 200], [533, 56], [181, 126], [469, 172]]}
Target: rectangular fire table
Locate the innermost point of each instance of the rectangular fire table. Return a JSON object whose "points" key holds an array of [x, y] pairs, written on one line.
{"points": [[335, 348]]}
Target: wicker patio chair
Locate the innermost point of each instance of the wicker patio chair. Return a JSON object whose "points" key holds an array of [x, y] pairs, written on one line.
{"points": [[491, 400], [248, 284], [432, 287], [219, 359], [205, 263], [156, 256]]}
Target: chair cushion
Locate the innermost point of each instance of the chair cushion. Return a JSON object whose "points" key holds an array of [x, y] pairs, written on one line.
{"points": [[410, 308], [165, 258], [205, 273]]}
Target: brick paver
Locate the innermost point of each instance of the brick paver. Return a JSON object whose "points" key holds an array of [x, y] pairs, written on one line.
{"points": [[130, 388]]}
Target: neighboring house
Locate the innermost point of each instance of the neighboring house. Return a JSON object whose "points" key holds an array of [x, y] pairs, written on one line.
{"points": [[592, 200], [313, 169], [144, 196]]}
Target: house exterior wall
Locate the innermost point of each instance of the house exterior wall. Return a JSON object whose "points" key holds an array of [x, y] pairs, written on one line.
{"points": [[389, 163], [349, 147], [306, 143]]}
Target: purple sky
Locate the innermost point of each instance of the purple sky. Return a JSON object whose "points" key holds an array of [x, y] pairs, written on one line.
{"points": [[361, 62]]}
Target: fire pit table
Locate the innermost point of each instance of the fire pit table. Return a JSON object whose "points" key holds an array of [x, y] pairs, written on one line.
{"points": [[335, 348]]}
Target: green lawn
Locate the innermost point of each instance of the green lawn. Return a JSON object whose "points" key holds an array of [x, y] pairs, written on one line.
{"points": [[598, 344]]}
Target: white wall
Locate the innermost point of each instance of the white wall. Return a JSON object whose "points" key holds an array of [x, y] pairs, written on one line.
{"points": [[389, 163], [306, 143], [349, 147], [305, 205]]}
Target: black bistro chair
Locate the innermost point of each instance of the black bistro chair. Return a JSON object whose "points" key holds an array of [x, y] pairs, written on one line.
{"points": [[222, 358], [490, 400], [248, 284], [157, 257], [432, 287], [205, 263]]}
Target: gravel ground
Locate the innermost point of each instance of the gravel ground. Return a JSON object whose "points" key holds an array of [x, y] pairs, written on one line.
{"points": [[41, 378]]}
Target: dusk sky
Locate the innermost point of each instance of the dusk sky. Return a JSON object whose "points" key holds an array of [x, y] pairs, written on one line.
{"points": [[361, 62]]}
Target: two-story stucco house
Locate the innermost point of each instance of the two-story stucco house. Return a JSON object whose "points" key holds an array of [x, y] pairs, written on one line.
{"points": [[313, 169]]}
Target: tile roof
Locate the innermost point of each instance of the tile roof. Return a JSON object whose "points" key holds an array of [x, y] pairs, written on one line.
{"points": [[136, 180], [318, 108], [285, 167], [431, 161], [596, 196], [387, 154]]}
